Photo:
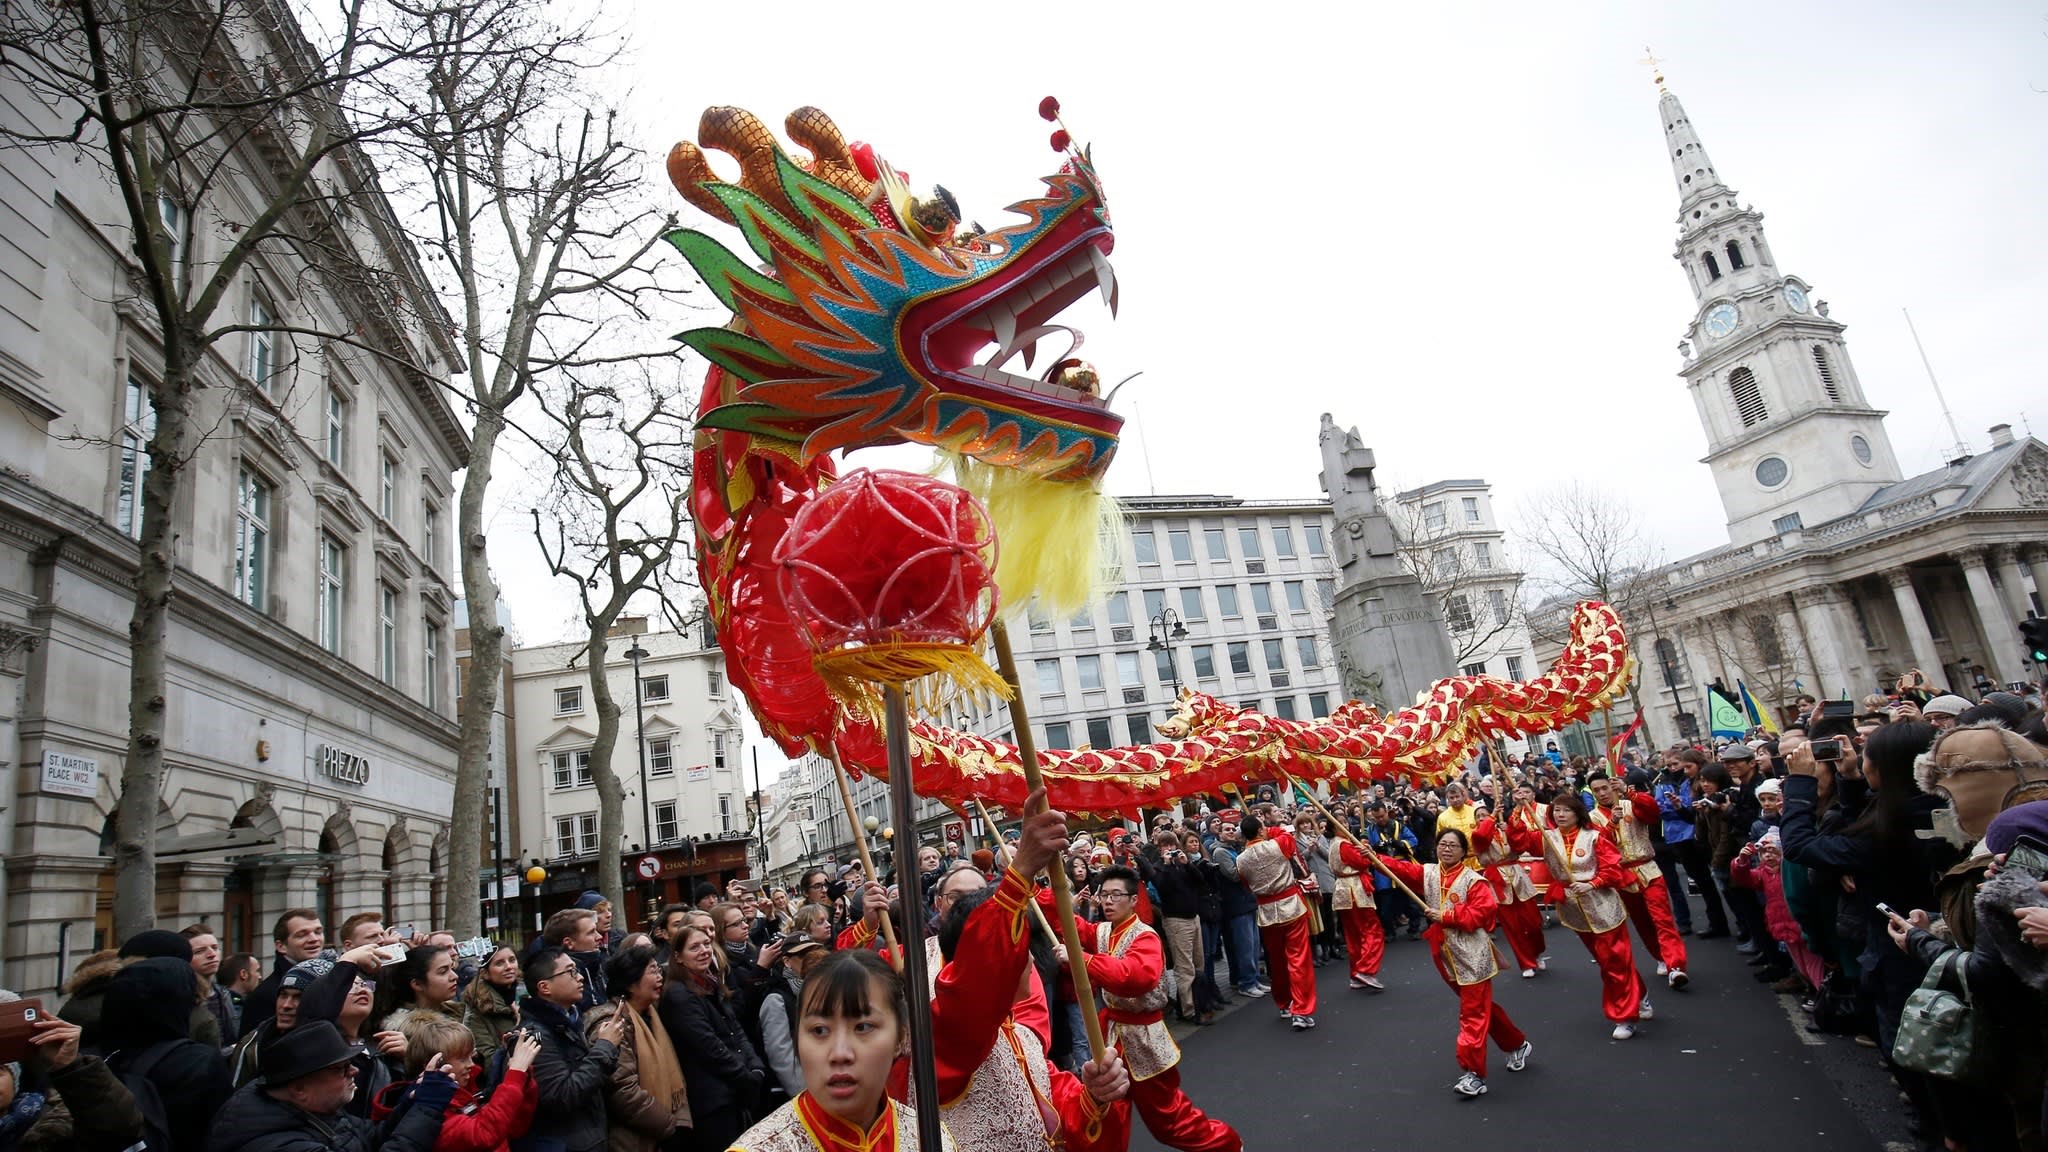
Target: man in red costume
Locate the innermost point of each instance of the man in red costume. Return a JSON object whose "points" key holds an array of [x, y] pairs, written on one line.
{"points": [[1627, 816], [1267, 867], [1498, 845], [1127, 965]]}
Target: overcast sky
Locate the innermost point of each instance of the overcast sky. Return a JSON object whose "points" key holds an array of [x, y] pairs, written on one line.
{"points": [[1449, 225]]}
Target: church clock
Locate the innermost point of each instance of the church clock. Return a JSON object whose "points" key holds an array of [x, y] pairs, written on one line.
{"points": [[1795, 298], [1721, 319]]}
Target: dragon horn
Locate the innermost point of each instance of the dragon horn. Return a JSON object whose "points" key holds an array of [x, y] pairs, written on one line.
{"points": [[737, 133], [813, 131]]}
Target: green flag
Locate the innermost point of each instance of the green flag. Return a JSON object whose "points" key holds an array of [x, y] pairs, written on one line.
{"points": [[1726, 715]]}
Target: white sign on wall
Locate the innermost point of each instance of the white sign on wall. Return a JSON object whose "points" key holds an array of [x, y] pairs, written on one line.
{"points": [[343, 765], [697, 772], [68, 775]]}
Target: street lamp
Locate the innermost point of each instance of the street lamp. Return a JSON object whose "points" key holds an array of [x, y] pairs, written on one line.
{"points": [[1166, 631], [636, 654]]}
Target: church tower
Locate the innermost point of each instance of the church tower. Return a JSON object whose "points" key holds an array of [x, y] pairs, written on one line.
{"points": [[1791, 439]]}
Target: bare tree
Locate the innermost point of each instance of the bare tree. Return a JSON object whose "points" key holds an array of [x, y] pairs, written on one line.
{"points": [[1448, 566], [544, 228], [220, 121], [1750, 644], [618, 535]]}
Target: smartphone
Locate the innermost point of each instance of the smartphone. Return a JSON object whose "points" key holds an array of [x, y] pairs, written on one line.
{"points": [[405, 931], [2029, 855], [1829, 748], [17, 1029], [393, 953], [752, 885], [1833, 708], [1886, 909]]}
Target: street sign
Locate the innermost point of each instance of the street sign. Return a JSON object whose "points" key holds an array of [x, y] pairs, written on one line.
{"points": [[955, 831], [649, 867], [71, 775]]}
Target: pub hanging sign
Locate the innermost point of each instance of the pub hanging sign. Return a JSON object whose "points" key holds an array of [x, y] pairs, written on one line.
{"points": [[343, 765]]}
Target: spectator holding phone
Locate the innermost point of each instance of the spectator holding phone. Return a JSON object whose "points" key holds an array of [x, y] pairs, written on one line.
{"points": [[572, 1071]]}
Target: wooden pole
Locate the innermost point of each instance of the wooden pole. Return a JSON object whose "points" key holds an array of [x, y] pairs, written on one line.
{"points": [[1341, 830], [902, 808], [1062, 894], [1006, 855], [867, 863]]}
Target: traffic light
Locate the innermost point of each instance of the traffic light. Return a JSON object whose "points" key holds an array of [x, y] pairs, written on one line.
{"points": [[2034, 631]]}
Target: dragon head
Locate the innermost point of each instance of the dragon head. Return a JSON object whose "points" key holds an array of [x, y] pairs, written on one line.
{"points": [[871, 319]]}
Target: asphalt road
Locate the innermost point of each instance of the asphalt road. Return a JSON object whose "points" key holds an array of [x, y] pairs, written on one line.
{"points": [[1725, 1064]]}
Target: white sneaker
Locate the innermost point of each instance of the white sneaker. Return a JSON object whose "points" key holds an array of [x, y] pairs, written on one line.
{"points": [[1543, 963], [1255, 990], [1519, 1058], [1678, 978], [1624, 1031], [1663, 969], [1469, 1085], [1373, 982], [1528, 973], [1646, 1012], [1303, 1023], [1264, 987]]}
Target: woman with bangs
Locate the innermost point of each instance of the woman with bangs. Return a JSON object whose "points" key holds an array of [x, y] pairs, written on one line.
{"points": [[853, 1025]]}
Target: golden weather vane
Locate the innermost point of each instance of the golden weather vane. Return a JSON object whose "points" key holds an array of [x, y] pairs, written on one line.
{"points": [[1655, 66]]}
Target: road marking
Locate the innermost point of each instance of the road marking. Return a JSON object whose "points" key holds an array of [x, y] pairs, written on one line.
{"points": [[1790, 1004]]}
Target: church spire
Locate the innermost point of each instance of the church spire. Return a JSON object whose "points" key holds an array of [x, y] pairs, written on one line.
{"points": [[1690, 165]]}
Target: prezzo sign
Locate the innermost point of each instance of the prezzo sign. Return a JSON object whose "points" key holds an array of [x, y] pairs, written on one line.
{"points": [[345, 766], [71, 775]]}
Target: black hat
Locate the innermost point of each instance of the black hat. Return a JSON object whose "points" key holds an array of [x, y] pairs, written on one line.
{"points": [[302, 1051], [157, 942]]}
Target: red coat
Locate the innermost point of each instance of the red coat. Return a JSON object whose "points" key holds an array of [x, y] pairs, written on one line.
{"points": [[467, 1128]]}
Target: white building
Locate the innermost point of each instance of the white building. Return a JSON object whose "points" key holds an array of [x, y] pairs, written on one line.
{"points": [[1840, 574], [693, 824], [310, 745]]}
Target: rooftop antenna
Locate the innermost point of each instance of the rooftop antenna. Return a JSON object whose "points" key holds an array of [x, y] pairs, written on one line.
{"points": [[1961, 450]]}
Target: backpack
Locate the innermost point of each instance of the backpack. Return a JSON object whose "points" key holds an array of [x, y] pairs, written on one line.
{"points": [[156, 1125]]}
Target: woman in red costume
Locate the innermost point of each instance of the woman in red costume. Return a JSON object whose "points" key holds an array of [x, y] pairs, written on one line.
{"points": [[1586, 867], [1461, 910], [1499, 843]]}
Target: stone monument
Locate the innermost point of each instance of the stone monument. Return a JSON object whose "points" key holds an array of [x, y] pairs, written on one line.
{"points": [[1389, 637]]}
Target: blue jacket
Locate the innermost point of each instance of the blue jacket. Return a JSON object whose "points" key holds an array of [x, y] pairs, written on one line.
{"points": [[1676, 802], [1378, 839]]}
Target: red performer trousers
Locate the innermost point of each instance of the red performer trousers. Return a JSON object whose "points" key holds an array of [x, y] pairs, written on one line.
{"points": [[1522, 923], [1479, 1018], [1621, 990], [1173, 1119], [1650, 911], [1364, 939], [1288, 963]]}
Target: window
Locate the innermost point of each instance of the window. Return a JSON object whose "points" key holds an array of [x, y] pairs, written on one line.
{"points": [[1765, 631], [1748, 397], [1458, 612], [1471, 506], [1251, 705], [1861, 448], [387, 487], [1058, 736], [252, 540], [718, 750], [1205, 661], [654, 688], [1127, 675], [1283, 542], [1674, 669], [1083, 620], [1049, 678], [430, 692], [1162, 663], [1827, 373], [1482, 555], [1789, 522], [1226, 601], [430, 534], [1514, 667], [387, 633], [1191, 604], [572, 769], [1433, 515], [1276, 655], [337, 428], [1314, 532], [1713, 265], [138, 424], [1090, 669], [1215, 541], [576, 835], [1478, 669], [1146, 548], [1040, 622], [333, 591], [262, 345], [1098, 733], [1155, 602], [1497, 601], [1305, 652], [1735, 255], [1262, 599], [714, 682], [568, 701], [1318, 704], [1771, 471], [665, 830], [1141, 728], [1297, 596], [724, 812], [1182, 544], [172, 214], [1241, 658], [1248, 542], [1283, 708], [1871, 638], [1120, 609], [1443, 564], [661, 757], [1326, 594]]}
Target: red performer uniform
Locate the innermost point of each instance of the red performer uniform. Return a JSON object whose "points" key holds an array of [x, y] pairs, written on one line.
{"points": [[1463, 951], [1356, 911], [1267, 868], [1644, 895], [1498, 849], [998, 1091], [1597, 915], [1127, 965], [803, 1125]]}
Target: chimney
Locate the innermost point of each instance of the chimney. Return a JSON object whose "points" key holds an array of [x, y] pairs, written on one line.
{"points": [[2001, 435], [628, 626]]}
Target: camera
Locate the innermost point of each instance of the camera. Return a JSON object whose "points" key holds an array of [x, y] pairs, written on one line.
{"points": [[1828, 749]]}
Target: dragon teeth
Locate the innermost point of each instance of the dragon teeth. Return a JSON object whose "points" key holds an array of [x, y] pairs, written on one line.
{"points": [[1003, 323], [1105, 277]]}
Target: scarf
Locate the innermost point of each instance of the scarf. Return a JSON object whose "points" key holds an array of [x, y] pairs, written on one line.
{"points": [[660, 1074]]}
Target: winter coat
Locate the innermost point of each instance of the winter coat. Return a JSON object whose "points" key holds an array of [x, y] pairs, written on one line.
{"points": [[87, 1110], [570, 1077], [261, 1003], [636, 1121], [254, 1121], [1770, 884], [84, 991], [467, 1127], [490, 1024], [147, 1023], [220, 1004], [720, 1066]]}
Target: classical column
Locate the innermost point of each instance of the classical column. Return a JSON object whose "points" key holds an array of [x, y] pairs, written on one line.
{"points": [[2001, 635], [2036, 558], [1919, 637], [202, 895], [1820, 616], [2007, 559]]}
